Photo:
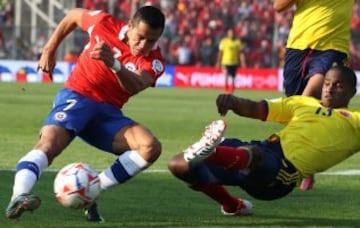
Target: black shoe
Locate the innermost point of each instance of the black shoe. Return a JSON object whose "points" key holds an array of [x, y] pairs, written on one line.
{"points": [[92, 214]]}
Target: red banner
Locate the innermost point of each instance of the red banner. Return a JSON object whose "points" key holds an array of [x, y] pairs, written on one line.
{"points": [[208, 77]]}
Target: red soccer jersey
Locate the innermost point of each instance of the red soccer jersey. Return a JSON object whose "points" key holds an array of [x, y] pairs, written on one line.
{"points": [[92, 78]]}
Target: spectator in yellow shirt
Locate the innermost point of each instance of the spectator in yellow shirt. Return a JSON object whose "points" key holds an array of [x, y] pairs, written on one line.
{"points": [[230, 57]]}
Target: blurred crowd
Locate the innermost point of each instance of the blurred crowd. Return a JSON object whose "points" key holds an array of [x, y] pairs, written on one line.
{"points": [[194, 28], [6, 20]]}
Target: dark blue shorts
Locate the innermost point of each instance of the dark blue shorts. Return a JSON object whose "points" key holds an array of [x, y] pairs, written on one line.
{"points": [[96, 123], [276, 178], [231, 70], [300, 65]]}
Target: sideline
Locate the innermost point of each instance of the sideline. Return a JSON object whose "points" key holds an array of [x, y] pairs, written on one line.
{"points": [[348, 172]]}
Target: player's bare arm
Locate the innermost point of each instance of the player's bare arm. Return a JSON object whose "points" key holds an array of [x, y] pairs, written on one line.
{"points": [[242, 59], [47, 60], [240, 106], [218, 60], [281, 5], [133, 82]]}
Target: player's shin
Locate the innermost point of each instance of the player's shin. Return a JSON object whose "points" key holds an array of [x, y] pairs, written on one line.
{"points": [[28, 171], [217, 193], [125, 167], [222, 196]]}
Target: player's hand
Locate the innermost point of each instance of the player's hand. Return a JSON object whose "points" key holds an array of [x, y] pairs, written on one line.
{"points": [[47, 63], [102, 51], [224, 103]]}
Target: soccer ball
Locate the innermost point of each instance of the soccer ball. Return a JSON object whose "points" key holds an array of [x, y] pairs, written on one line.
{"points": [[77, 185]]}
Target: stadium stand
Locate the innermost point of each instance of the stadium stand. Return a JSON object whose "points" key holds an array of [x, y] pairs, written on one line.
{"points": [[193, 29]]}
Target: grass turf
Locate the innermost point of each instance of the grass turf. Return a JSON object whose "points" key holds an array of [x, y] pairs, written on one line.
{"points": [[156, 199]]}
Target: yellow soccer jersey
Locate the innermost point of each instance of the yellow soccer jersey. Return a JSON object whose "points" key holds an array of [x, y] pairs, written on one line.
{"points": [[314, 138], [321, 25], [230, 51]]}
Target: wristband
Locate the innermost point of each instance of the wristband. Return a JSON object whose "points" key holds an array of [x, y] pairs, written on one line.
{"points": [[116, 67]]}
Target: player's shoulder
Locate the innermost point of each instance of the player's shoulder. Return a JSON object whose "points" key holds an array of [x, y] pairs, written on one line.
{"points": [[301, 98], [100, 15], [221, 42], [96, 14], [157, 61], [225, 40], [355, 111], [296, 100]]}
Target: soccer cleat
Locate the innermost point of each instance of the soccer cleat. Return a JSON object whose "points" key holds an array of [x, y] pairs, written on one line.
{"points": [[23, 202], [307, 183], [244, 208], [92, 214], [212, 136]]}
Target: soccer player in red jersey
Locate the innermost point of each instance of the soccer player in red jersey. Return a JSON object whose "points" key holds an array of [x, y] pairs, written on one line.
{"points": [[120, 60]]}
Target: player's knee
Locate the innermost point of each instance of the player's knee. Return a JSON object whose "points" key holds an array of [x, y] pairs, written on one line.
{"points": [[156, 145], [153, 150], [53, 140], [177, 165], [50, 148], [173, 165], [256, 157]]}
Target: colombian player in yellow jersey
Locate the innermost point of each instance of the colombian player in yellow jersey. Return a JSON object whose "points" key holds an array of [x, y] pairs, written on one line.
{"points": [[317, 135], [319, 38], [230, 57]]}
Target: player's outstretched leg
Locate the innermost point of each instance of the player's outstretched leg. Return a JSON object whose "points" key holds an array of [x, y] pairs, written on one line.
{"points": [[21, 203], [211, 137], [92, 214], [244, 208]]}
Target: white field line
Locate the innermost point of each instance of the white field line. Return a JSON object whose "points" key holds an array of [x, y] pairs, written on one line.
{"points": [[349, 172]]}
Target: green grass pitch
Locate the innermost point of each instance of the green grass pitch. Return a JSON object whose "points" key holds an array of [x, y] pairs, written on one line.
{"points": [[155, 198]]}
